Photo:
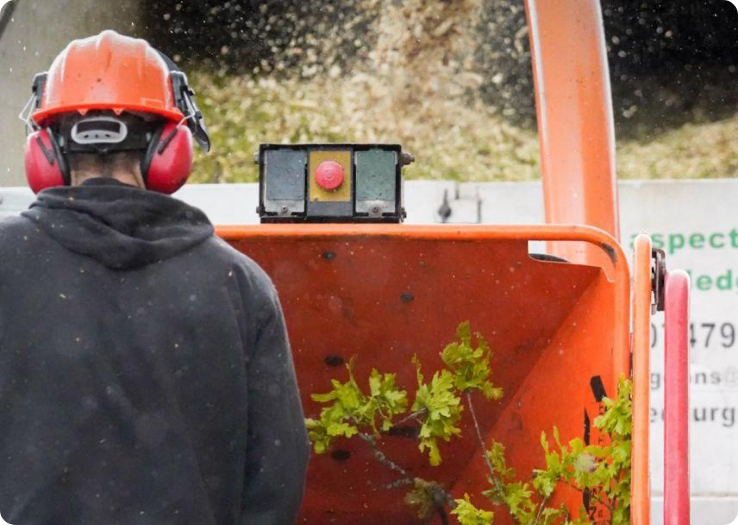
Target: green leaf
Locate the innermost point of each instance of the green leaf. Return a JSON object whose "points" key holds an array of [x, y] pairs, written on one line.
{"points": [[470, 364], [351, 411], [434, 455], [550, 515], [463, 332], [324, 398], [544, 482], [468, 514], [442, 407]]}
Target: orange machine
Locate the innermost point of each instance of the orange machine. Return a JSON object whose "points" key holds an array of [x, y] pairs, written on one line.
{"points": [[562, 332]]}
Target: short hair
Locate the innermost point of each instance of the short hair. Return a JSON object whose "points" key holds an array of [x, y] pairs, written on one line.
{"points": [[105, 164]]}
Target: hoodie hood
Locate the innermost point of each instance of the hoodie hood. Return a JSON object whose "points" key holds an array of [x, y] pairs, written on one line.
{"points": [[121, 226]]}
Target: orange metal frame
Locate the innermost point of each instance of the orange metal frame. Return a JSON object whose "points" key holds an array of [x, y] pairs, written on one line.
{"points": [[640, 487], [575, 118]]}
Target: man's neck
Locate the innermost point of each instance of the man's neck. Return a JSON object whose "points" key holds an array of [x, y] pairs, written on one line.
{"points": [[125, 178]]}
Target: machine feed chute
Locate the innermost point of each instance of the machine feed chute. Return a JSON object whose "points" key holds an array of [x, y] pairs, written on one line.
{"points": [[382, 293]]}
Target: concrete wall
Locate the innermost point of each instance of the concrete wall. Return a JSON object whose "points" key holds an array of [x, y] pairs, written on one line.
{"points": [[36, 32]]}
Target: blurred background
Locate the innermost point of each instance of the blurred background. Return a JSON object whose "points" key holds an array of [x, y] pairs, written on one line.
{"points": [[449, 79]]}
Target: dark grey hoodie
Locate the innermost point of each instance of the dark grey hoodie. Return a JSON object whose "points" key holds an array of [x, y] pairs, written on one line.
{"points": [[145, 372]]}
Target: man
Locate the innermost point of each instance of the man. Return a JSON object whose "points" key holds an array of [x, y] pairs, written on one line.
{"points": [[145, 372]]}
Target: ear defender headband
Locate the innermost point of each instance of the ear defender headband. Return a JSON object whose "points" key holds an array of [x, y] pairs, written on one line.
{"points": [[166, 160]]}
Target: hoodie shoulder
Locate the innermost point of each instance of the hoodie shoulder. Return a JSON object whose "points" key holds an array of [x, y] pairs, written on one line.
{"points": [[14, 224], [246, 268], [22, 246], [252, 288], [16, 232]]}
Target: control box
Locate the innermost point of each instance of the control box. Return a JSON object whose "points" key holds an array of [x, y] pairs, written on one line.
{"points": [[331, 182]]}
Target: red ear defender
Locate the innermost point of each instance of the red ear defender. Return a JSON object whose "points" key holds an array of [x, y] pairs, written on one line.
{"points": [[168, 161], [45, 165]]}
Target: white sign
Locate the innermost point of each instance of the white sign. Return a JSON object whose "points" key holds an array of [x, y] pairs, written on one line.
{"points": [[696, 224]]}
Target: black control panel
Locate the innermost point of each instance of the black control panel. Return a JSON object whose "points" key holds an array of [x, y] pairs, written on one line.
{"points": [[331, 182]]}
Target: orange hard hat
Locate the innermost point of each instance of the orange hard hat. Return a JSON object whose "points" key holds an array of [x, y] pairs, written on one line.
{"points": [[108, 71]]}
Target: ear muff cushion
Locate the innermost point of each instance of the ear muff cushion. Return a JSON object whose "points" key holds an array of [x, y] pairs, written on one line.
{"points": [[168, 161], [45, 164]]}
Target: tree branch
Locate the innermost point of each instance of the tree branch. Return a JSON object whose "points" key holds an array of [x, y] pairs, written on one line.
{"points": [[592, 494], [444, 516], [440, 496], [383, 459], [540, 510], [402, 482], [492, 470], [414, 415]]}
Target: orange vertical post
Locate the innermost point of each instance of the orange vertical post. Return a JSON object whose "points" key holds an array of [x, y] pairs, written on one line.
{"points": [[575, 119], [640, 484]]}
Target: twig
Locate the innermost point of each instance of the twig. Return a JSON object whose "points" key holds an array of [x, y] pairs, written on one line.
{"points": [[444, 516], [414, 415], [493, 472], [440, 496], [383, 459], [592, 494], [403, 482], [540, 509]]}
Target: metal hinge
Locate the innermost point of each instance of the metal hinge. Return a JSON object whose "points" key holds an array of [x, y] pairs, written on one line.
{"points": [[658, 275]]}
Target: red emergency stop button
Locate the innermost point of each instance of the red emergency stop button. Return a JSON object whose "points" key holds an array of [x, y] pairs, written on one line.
{"points": [[329, 175]]}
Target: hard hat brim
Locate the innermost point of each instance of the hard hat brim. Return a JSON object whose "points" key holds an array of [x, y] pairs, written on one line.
{"points": [[43, 115]]}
